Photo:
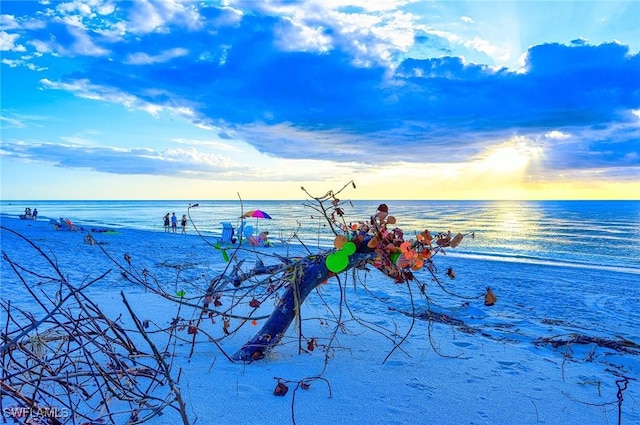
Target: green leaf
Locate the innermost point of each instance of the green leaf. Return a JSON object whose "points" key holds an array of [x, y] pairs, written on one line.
{"points": [[181, 293], [225, 255], [394, 257]]}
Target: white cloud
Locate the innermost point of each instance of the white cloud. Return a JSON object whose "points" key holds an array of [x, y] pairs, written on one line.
{"points": [[215, 144], [11, 63], [141, 58], [13, 122], [8, 42], [499, 54], [84, 45], [80, 7], [115, 31], [41, 46], [557, 135], [144, 18], [85, 89], [371, 35], [149, 16], [8, 22], [299, 37]]}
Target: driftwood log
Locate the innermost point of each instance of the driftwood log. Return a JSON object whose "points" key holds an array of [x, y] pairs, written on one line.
{"points": [[313, 272]]}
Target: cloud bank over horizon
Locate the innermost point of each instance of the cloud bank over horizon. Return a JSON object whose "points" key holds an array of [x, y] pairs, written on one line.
{"points": [[215, 91]]}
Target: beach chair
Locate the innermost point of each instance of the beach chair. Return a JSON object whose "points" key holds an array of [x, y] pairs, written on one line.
{"points": [[227, 233], [65, 224], [244, 230]]}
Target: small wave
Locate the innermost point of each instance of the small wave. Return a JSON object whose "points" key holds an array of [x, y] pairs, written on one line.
{"points": [[541, 261]]}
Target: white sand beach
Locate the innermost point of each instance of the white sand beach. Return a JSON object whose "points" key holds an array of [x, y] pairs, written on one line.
{"points": [[488, 373]]}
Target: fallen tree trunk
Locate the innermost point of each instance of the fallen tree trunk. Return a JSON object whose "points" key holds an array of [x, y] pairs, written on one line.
{"points": [[312, 271]]}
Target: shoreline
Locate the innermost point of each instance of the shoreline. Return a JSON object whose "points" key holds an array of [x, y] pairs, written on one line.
{"points": [[211, 236]]}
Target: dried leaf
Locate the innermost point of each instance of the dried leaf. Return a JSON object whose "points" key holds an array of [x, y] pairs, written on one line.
{"points": [[442, 242], [451, 273], [339, 241], [280, 390], [425, 237], [254, 303], [456, 240], [490, 298], [192, 330], [403, 262], [311, 345]]}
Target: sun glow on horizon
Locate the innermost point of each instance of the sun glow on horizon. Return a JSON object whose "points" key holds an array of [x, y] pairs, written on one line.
{"points": [[500, 172], [509, 157]]}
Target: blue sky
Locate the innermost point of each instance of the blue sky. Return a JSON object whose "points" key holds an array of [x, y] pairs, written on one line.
{"points": [[411, 99]]}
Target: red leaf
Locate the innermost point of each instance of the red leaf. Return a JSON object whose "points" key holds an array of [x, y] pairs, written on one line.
{"points": [[192, 330], [254, 303], [311, 345]]}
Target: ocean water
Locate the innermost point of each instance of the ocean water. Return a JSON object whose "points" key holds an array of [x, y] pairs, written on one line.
{"points": [[599, 235]]}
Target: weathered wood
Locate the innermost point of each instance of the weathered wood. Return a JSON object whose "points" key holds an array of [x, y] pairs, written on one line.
{"points": [[313, 271]]}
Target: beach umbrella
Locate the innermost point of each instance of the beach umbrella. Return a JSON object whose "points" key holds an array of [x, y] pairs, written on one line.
{"points": [[256, 214]]}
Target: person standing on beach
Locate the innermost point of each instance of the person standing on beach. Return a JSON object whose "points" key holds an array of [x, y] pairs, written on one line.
{"points": [[183, 223], [174, 222], [35, 214], [166, 222]]}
